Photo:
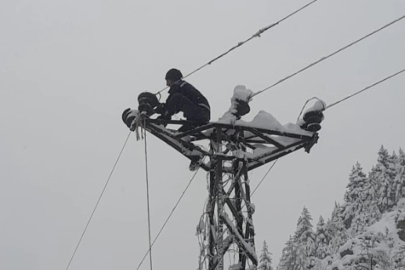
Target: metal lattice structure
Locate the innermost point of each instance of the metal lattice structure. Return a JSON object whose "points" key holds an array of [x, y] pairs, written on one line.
{"points": [[234, 150]]}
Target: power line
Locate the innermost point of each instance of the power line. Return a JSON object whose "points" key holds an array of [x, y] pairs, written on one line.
{"points": [[147, 196], [331, 105], [257, 34], [264, 177], [330, 55], [167, 219], [98, 201], [320, 60], [366, 88]]}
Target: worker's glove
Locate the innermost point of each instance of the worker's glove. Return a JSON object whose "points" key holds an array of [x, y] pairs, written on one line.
{"points": [[160, 109]]}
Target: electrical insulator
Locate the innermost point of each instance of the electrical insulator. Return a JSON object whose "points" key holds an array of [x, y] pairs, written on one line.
{"points": [[312, 120], [147, 101]]}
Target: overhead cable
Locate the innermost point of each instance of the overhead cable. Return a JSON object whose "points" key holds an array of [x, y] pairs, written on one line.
{"points": [[330, 55], [147, 198], [364, 89], [257, 34], [327, 107], [167, 219], [264, 177], [98, 201]]}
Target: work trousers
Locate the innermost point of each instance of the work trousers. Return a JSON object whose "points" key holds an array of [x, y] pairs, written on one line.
{"points": [[192, 112]]}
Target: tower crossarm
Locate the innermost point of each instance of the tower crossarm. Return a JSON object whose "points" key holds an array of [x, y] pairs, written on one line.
{"points": [[255, 161], [264, 145]]}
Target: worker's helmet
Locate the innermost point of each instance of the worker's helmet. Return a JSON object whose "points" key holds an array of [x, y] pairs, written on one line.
{"points": [[173, 75]]}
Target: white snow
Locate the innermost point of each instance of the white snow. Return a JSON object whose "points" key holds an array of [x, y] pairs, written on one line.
{"points": [[242, 93], [384, 238], [263, 119], [319, 105], [260, 151]]}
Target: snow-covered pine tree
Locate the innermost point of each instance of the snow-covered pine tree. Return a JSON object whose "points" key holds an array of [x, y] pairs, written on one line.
{"points": [[287, 260], [399, 181], [265, 258], [321, 240], [336, 229], [385, 175], [401, 157], [353, 196], [371, 211], [360, 208], [304, 238]]}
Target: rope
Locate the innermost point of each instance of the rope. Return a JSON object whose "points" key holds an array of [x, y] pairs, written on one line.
{"points": [[330, 55], [98, 201], [147, 193], [257, 34], [171, 213], [366, 88]]}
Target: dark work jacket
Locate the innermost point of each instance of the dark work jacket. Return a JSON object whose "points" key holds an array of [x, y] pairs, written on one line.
{"points": [[189, 91]]}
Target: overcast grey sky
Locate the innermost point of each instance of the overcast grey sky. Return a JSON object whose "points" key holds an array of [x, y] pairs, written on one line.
{"points": [[69, 68]]}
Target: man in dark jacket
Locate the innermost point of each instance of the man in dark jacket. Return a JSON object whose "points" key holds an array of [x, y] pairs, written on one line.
{"points": [[183, 97]]}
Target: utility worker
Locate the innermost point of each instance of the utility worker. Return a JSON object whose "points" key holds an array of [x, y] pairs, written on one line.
{"points": [[183, 97]]}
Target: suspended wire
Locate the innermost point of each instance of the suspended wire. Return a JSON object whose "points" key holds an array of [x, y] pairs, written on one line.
{"points": [[257, 34], [167, 219], [286, 78], [147, 196], [331, 105], [264, 177], [330, 55], [364, 89], [98, 201]]}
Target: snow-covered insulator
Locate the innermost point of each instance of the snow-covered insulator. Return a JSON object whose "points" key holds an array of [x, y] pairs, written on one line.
{"points": [[313, 117], [128, 116], [242, 107], [147, 101], [313, 120]]}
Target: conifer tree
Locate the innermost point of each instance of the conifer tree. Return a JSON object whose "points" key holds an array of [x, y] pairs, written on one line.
{"points": [[353, 196], [399, 181], [401, 158], [360, 209], [336, 229], [304, 238], [371, 211], [265, 258], [321, 240], [287, 260], [385, 175]]}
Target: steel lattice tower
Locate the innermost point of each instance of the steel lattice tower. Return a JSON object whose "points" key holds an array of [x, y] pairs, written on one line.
{"points": [[229, 212]]}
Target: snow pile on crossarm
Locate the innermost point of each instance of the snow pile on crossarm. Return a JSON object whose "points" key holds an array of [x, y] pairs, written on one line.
{"points": [[263, 119], [380, 242], [267, 121]]}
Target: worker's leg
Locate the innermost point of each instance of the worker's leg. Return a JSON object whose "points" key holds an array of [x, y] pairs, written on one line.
{"points": [[180, 103]]}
